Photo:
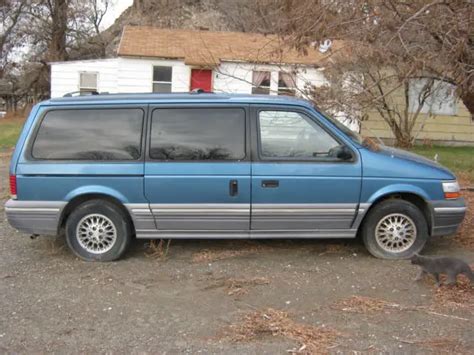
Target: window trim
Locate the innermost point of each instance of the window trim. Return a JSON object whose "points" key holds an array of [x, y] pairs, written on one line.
{"points": [[35, 129], [243, 107], [256, 147], [161, 82]]}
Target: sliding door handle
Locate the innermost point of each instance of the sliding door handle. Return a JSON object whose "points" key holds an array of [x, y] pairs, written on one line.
{"points": [[270, 183], [233, 187]]}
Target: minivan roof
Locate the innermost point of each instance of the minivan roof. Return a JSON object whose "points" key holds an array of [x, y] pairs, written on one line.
{"points": [[178, 97]]}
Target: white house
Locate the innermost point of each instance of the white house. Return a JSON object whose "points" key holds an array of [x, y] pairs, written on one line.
{"points": [[164, 60]]}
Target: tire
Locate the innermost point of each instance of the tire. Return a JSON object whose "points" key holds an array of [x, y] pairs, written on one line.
{"points": [[402, 230], [98, 230]]}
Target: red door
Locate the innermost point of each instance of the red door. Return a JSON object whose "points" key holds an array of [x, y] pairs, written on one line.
{"points": [[201, 79]]}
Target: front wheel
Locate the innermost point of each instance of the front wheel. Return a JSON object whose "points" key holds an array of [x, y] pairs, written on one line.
{"points": [[395, 229], [98, 230]]}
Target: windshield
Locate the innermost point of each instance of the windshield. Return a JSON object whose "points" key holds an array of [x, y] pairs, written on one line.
{"points": [[354, 136]]}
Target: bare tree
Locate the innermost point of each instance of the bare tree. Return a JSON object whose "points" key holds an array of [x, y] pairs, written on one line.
{"points": [[90, 13], [391, 43], [10, 15], [50, 30]]}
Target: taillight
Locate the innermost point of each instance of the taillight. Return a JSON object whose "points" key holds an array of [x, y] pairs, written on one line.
{"points": [[13, 186]]}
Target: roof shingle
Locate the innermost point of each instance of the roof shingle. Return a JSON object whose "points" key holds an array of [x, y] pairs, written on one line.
{"points": [[206, 48]]}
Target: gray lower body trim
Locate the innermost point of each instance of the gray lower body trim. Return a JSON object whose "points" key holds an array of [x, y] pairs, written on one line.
{"points": [[302, 216], [142, 217], [361, 212], [201, 216], [447, 216], [254, 234], [232, 220], [35, 217]]}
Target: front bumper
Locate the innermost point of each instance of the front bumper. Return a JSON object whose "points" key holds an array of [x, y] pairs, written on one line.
{"points": [[34, 217], [447, 216]]}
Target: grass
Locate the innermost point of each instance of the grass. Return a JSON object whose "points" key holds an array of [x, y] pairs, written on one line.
{"points": [[458, 159], [10, 129]]}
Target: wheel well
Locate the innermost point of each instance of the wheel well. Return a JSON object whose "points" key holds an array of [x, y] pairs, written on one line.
{"points": [[407, 196], [78, 200]]}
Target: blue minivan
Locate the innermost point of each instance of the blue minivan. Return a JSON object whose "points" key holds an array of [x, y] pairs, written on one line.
{"points": [[103, 169]]}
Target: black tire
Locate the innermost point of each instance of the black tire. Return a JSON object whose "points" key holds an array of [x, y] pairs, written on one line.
{"points": [[382, 211], [113, 214]]}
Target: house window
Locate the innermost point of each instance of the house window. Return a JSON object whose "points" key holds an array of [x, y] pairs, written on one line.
{"points": [[87, 81], [261, 82], [286, 84], [440, 101], [162, 79]]}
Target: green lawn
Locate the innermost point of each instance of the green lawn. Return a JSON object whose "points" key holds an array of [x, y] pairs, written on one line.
{"points": [[457, 159], [9, 131]]}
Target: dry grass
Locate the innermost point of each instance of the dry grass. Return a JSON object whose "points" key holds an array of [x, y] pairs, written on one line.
{"points": [[334, 249], [464, 179], [459, 296], [277, 323], [238, 287], [442, 345], [465, 236], [158, 249], [361, 304], [439, 345], [56, 245], [211, 255]]}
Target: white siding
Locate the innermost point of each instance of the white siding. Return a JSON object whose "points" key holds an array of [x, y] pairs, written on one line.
{"points": [[117, 75], [65, 75], [136, 75], [234, 77], [181, 78]]}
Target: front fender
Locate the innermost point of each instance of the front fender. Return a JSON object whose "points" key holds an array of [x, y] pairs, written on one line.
{"points": [[398, 188]]}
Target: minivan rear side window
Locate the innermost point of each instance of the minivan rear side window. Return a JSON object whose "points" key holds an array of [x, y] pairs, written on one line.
{"points": [[90, 134], [198, 134]]}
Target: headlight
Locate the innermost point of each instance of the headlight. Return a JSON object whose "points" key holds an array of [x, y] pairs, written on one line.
{"points": [[451, 189]]}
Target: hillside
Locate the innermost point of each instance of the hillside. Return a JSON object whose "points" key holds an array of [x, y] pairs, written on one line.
{"points": [[187, 14]]}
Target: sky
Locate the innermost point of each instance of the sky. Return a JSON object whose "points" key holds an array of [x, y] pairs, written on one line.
{"points": [[116, 8]]}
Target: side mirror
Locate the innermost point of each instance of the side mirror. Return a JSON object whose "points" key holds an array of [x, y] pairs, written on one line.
{"points": [[344, 153]]}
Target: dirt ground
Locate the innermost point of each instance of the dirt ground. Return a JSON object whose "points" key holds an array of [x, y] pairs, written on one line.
{"points": [[266, 297]]}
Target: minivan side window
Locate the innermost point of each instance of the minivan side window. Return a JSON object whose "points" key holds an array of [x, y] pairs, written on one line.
{"points": [[292, 135], [89, 134], [198, 134]]}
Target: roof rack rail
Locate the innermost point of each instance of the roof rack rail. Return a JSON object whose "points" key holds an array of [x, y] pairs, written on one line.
{"points": [[80, 93], [200, 91]]}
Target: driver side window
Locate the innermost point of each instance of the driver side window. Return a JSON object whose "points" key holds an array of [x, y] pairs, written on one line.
{"points": [[292, 135]]}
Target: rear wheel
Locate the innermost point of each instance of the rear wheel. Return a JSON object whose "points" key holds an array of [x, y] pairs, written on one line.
{"points": [[97, 230], [395, 229]]}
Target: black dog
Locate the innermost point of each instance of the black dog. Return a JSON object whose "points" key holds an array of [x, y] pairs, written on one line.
{"points": [[442, 265]]}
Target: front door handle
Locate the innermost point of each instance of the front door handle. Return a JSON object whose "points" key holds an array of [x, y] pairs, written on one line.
{"points": [[233, 187], [270, 183]]}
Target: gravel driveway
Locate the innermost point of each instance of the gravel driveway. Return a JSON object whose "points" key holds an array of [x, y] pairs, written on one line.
{"points": [[225, 296]]}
